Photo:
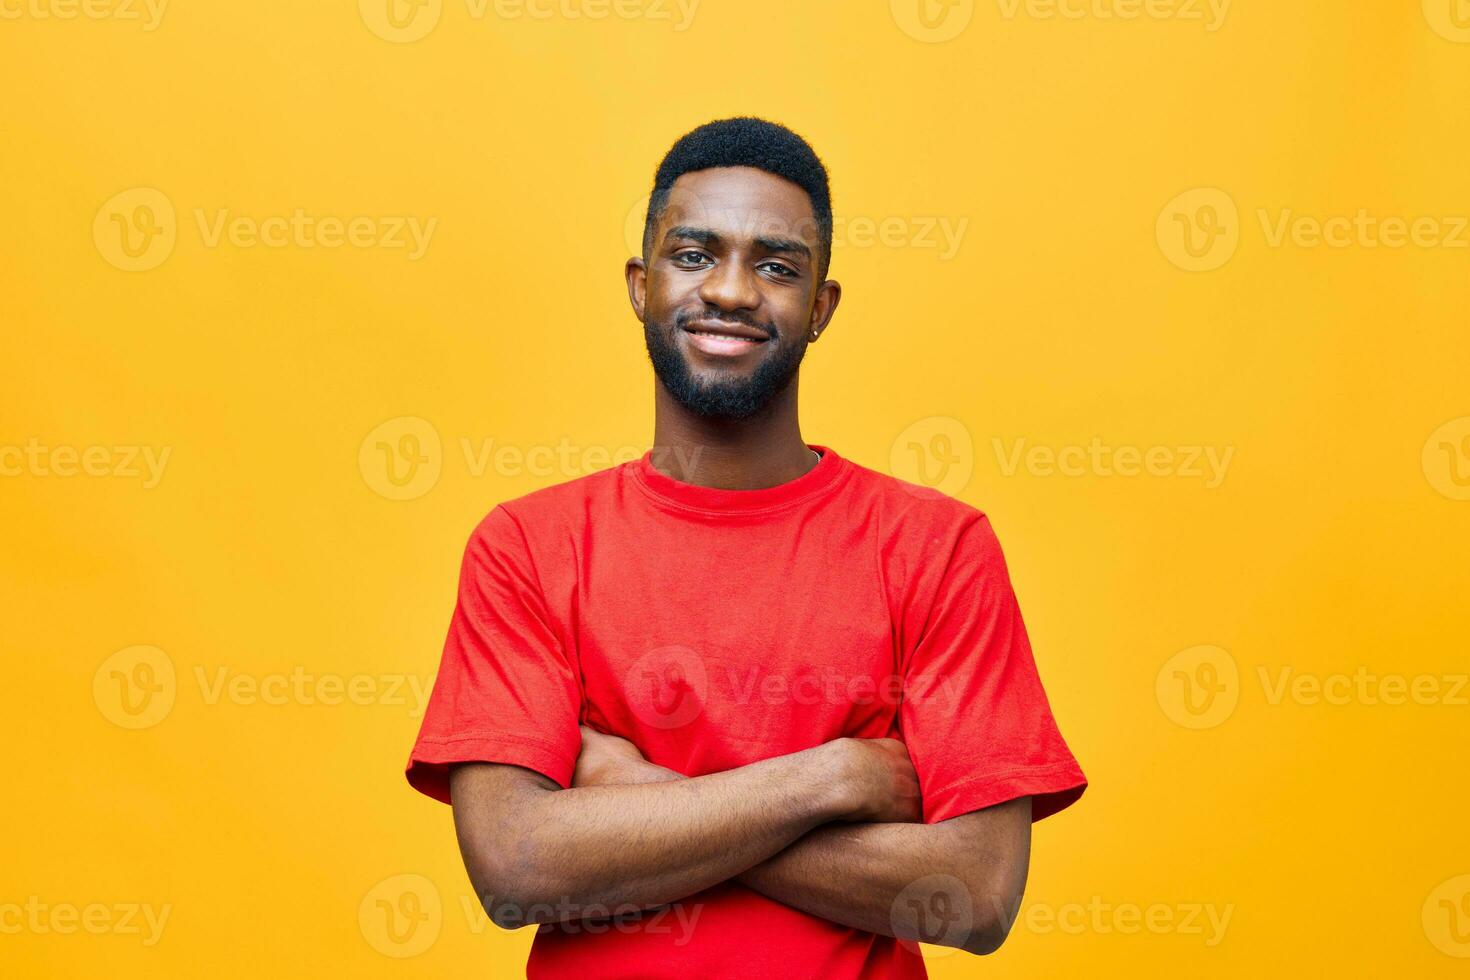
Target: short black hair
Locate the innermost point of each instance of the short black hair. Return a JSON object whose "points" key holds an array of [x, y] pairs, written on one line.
{"points": [[745, 141]]}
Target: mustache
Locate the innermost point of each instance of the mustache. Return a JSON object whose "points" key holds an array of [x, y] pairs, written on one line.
{"points": [[685, 317]]}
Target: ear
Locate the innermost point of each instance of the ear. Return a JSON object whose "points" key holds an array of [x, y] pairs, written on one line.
{"points": [[829, 294], [637, 275]]}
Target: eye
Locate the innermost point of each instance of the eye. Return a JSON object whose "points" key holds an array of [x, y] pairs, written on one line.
{"points": [[780, 268], [689, 256]]}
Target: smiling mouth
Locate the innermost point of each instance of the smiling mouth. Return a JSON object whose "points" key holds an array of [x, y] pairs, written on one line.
{"points": [[727, 331], [722, 340]]}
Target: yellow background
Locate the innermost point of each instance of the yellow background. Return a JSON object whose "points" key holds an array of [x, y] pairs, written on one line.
{"points": [[1335, 544]]}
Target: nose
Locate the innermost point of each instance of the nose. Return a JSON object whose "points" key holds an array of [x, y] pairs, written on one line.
{"points": [[730, 286]]}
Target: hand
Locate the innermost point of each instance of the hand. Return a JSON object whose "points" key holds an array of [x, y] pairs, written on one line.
{"points": [[885, 786], [607, 760]]}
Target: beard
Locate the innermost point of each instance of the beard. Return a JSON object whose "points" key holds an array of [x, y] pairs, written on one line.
{"points": [[731, 398]]}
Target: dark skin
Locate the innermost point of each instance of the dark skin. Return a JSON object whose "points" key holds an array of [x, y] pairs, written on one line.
{"points": [[862, 875], [835, 831], [743, 242]]}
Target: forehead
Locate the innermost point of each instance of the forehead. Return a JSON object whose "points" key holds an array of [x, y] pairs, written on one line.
{"points": [[741, 203]]}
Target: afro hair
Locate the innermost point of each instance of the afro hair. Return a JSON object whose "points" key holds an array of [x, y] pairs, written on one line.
{"points": [[745, 141]]}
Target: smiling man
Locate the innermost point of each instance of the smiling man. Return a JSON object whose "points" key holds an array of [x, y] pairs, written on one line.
{"points": [[741, 707]]}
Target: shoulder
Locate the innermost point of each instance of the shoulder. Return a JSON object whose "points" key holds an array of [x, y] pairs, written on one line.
{"points": [[926, 540], [548, 515], [904, 512]]}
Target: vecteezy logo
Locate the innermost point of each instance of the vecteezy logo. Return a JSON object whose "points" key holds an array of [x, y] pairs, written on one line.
{"points": [[1199, 230], [402, 458], [1198, 687], [401, 916], [940, 909], [934, 456], [135, 687], [400, 21], [136, 229], [1446, 459], [1449, 18], [667, 687], [932, 21], [1446, 917]]}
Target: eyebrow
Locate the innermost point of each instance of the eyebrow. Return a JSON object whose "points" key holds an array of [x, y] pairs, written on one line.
{"points": [[706, 237]]}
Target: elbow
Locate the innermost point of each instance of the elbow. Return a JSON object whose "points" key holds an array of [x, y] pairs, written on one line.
{"points": [[506, 911], [515, 901], [963, 915], [991, 925], [985, 939], [515, 889], [511, 848], [981, 937]]}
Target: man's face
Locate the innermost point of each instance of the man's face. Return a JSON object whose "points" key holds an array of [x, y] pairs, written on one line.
{"points": [[729, 294]]}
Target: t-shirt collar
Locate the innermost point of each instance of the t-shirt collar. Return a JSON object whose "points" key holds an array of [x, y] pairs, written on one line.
{"points": [[691, 496]]}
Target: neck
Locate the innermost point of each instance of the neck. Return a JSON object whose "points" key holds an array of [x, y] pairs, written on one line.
{"points": [[762, 451]]}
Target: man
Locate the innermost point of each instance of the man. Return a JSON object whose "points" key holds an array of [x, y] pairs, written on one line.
{"points": [[742, 707]]}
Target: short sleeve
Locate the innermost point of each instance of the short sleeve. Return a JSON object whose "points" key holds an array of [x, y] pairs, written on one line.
{"points": [[975, 717], [506, 690]]}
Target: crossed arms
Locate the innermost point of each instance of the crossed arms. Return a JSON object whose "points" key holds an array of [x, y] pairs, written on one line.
{"points": [[834, 831]]}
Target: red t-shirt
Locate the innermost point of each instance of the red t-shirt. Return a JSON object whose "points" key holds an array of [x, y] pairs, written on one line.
{"points": [[715, 628]]}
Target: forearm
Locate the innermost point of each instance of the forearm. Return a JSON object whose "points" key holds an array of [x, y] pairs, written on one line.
{"points": [[910, 881], [954, 883], [601, 847]]}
